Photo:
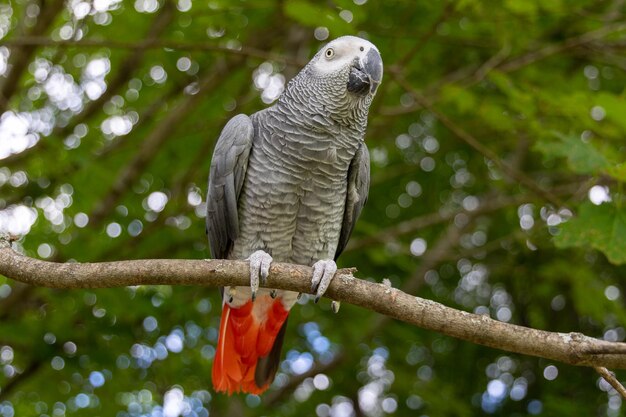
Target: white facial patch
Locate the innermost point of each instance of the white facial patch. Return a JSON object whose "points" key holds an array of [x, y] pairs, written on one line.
{"points": [[340, 53]]}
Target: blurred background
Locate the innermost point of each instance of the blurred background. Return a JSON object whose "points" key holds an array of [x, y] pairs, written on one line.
{"points": [[498, 145]]}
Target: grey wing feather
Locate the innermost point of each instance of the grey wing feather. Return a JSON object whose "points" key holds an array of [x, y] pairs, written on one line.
{"points": [[356, 196], [228, 170]]}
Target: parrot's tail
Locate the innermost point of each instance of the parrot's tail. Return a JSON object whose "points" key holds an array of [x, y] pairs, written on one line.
{"points": [[249, 344]]}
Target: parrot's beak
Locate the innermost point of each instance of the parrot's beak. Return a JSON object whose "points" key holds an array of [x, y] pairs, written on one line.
{"points": [[366, 73], [373, 66]]}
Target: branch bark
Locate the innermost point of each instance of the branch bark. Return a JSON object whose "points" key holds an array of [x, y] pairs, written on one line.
{"points": [[571, 348], [610, 378]]}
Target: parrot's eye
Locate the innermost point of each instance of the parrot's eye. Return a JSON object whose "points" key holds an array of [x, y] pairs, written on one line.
{"points": [[330, 52]]}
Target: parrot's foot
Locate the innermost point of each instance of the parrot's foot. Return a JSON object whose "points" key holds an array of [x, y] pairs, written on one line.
{"points": [[259, 270], [334, 305], [323, 272]]}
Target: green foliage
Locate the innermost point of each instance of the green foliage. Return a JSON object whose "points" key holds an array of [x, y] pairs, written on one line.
{"points": [[602, 227], [618, 171], [313, 15], [582, 157], [615, 107], [540, 84]]}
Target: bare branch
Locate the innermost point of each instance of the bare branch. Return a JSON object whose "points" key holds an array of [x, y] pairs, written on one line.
{"points": [[444, 244], [30, 370], [153, 143], [16, 300], [177, 187], [421, 222], [20, 57], [128, 68], [610, 378], [570, 43], [211, 79], [489, 65], [466, 137], [570, 348], [126, 71], [447, 11], [469, 76], [273, 397], [244, 51]]}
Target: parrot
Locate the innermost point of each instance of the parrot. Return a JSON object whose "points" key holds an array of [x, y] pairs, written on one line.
{"points": [[287, 184]]}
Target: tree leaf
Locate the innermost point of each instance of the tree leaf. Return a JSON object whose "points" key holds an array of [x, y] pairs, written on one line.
{"points": [[462, 98], [582, 157], [314, 15], [602, 227], [618, 171], [615, 108]]}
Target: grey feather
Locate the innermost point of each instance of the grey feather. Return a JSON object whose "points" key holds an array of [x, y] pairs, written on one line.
{"points": [[356, 197], [291, 180], [228, 170]]}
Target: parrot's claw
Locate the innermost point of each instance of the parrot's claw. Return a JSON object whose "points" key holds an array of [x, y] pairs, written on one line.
{"points": [[259, 270], [334, 305], [273, 293], [323, 272]]}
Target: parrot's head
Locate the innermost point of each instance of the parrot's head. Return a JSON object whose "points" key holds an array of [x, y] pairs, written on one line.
{"points": [[351, 61]]}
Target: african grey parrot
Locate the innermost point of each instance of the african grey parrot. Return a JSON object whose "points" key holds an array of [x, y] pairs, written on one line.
{"points": [[287, 184]]}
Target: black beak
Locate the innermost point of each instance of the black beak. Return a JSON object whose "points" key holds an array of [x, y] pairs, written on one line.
{"points": [[366, 74]]}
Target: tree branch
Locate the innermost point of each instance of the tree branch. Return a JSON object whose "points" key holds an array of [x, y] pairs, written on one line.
{"points": [[571, 348], [16, 300], [570, 43], [467, 76], [31, 369], [157, 138], [487, 205], [610, 378], [20, 57], [127, 69], [273, 397], [447, 11], [245, 51], [466, 137], [211, 79]]}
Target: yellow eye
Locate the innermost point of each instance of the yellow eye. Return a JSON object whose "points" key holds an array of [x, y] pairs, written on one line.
{"points": [[330, 52]]}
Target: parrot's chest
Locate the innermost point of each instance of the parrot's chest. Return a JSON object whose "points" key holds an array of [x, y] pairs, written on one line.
{"points": [[293, 199]]}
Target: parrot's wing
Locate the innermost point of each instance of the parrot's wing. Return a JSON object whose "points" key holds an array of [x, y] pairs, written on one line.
{"points": [[358, 188], [228, 170]]}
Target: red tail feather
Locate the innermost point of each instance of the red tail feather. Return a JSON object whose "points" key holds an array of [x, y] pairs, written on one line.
{"points": [[246, 334]]}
